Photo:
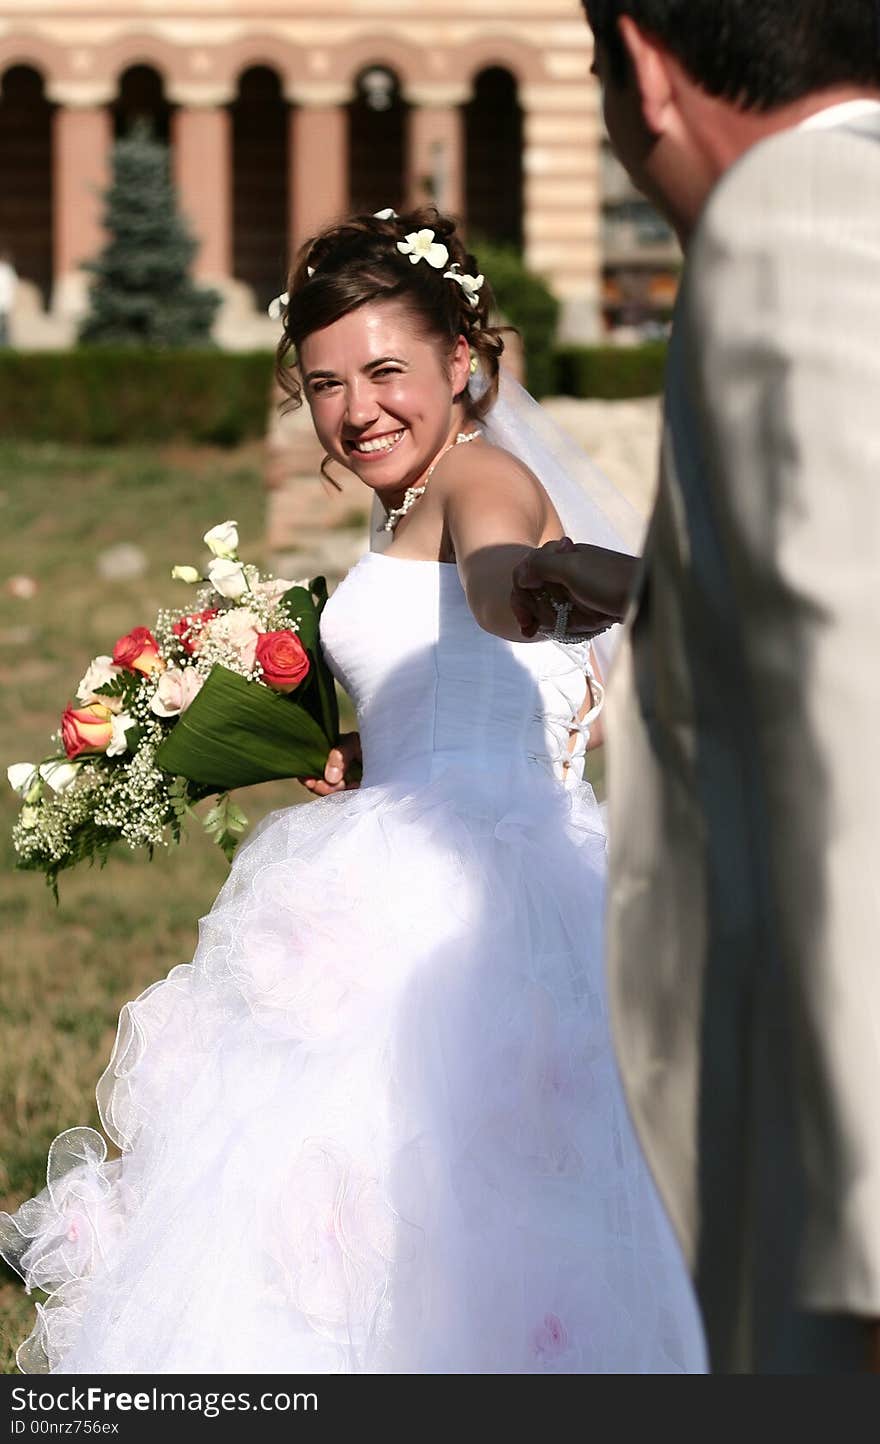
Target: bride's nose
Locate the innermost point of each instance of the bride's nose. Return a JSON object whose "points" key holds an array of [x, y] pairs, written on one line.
{"points": [[361, 408]]}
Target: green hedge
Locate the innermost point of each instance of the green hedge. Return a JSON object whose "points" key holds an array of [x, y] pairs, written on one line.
{"points": [[105, 396], [97, 396], [527, 303], [611, 373]]}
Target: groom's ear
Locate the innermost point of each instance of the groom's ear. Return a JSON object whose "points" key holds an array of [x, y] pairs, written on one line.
{"points": [[649, 63]]}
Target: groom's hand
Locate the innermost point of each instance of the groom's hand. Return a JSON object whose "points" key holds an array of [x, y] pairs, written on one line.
{"points": [[596, 582], [342, 769]]}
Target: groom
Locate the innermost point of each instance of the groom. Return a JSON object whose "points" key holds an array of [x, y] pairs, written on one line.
{"points": [[745, 708]]}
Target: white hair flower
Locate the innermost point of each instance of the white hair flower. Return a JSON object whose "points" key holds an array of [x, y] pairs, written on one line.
{"points": [[469, 284], [276, 307], [421, 246], [310, 271], [389, 214]]}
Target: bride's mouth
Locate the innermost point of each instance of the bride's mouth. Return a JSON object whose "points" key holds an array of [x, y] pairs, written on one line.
{"points": [[374, 448]]}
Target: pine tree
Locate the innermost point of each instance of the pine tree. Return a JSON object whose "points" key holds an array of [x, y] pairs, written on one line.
{"points": [[142, 293]]}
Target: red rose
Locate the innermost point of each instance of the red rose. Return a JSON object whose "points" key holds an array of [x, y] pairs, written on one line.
{"points": [[284, 660], [138, 651], [86, 729], [189, 629]]}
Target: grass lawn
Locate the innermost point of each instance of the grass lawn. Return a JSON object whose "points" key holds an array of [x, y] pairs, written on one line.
{"points": [[66, 971]]}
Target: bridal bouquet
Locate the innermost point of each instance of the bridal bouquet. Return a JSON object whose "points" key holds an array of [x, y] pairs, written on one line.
{"points": [[231, 691]]}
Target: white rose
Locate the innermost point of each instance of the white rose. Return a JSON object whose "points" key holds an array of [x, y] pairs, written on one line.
{"points": [[101, 671], [21, 777], [59, 775], [228, 578], [241, 630], [120, 725], [222, 540], [177, 688], [186, 574]]}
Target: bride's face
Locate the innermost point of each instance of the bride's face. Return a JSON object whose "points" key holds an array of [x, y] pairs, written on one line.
{"points": [[381, 394]]}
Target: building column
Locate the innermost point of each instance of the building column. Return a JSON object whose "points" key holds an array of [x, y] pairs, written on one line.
{"points": [[318, 159], [562, 198], [435, 147], [82, 140], [202, 167]]}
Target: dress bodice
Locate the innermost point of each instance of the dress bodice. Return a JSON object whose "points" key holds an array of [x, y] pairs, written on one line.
{"points": [[434, 691]]}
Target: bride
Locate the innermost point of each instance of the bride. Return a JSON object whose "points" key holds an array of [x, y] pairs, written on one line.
{"points": [[375, 1126]]}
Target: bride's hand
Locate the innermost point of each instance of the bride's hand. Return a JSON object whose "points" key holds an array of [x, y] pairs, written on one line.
{"points": [[342, 769]]}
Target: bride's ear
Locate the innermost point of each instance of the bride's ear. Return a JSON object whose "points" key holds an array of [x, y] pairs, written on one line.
{"points": [[460, 367]]}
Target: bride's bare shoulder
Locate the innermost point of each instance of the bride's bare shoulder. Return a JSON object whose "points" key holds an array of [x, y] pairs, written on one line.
{"points": [[489, 467], [484, 486]]}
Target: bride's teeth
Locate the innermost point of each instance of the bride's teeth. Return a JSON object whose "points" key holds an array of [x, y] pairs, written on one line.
{"points": [[382, 443]]}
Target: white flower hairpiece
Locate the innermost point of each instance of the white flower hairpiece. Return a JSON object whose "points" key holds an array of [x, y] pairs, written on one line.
{"points": [[469, 284], [276, 308], [389, 214], [421, 246]]}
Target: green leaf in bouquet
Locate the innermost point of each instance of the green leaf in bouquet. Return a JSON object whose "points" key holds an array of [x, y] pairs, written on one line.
{"points": [[124, 686], [318, 693], [225, 822], [134, 736], [237, 733], [180, 800]]}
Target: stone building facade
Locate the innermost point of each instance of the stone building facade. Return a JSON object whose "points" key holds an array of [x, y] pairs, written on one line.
{"points": [[281, 114]]}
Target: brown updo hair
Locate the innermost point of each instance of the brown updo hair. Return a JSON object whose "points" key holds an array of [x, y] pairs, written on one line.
{"points": [[357, 262]]}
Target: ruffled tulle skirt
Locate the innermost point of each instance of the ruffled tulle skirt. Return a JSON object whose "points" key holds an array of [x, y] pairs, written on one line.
{"points": [[375, 1126]]}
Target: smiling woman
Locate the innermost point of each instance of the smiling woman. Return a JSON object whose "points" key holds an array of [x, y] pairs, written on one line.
{"points": [[389, 319], [381, 394], [373, 384]]}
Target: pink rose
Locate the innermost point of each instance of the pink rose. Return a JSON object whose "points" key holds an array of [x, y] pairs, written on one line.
{"points": [[240, 629], [177, 688]]}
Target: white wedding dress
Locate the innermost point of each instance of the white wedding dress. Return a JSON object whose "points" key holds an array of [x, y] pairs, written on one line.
{"points": [[375, 1126]]}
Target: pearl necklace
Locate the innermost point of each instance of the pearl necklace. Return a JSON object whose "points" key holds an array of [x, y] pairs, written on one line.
{"points": [[412, 493]]}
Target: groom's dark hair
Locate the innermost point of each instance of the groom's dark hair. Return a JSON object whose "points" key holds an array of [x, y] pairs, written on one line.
{"points": [[755, 53]]}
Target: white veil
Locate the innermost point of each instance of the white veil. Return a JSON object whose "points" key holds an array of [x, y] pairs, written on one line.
{"points": [[590, 507]]}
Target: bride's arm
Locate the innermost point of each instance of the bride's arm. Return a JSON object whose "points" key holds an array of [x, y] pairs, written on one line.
{"points": [[495, 513]]}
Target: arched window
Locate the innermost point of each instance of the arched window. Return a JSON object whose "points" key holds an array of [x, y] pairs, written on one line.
{"points": [[26, 176], [377, 120], [260, 180], [493, 150], [141, 97]]}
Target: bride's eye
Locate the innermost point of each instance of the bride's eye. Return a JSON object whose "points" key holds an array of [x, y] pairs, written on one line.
{"points": [[319, 386]]}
